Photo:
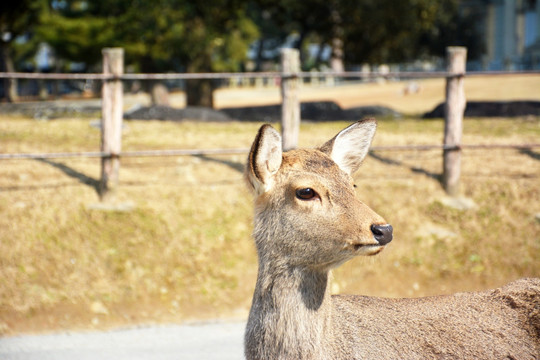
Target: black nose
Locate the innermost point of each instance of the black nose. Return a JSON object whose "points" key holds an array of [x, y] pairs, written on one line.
{"points": [[382, 233]]}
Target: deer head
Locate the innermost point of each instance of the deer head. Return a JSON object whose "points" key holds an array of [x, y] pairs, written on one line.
{"points": [[306, 210]]}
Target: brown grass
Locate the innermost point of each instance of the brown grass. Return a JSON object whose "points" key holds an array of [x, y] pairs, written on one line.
{"points": [[185, 251]]}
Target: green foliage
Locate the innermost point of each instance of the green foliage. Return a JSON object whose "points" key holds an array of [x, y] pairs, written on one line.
{"points": [[214, 35], [372, 31], [156, 35], [453, 26], [388, 31], [77, 39], [17, 17]]}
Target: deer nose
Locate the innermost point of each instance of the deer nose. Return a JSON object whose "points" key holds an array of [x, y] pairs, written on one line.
{"points": [[382, 233]]}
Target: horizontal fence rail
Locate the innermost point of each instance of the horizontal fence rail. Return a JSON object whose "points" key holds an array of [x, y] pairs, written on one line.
{"points": [[250, 75], [199, 152], [450, 147]]}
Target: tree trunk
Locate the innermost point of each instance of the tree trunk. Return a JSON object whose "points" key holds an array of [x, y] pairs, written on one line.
{"points": [[259, 59], [336, 59], [318, 57], [300, 45], [58, 67], [200, 93], [159, 94], [6, 64], [43, 93]]}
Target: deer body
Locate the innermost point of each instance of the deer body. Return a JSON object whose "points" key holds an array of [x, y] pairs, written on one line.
{"points": [[461, 326], [308, 221]]}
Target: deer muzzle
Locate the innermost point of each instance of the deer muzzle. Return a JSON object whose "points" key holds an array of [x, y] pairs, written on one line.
{"points": [[382, 233]]}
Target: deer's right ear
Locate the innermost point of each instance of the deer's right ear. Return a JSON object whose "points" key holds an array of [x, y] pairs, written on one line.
{"points": [[349, 148], [264, 159]]}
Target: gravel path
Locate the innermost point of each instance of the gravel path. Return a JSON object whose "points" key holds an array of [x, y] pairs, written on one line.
{"points": [[203, 341]]}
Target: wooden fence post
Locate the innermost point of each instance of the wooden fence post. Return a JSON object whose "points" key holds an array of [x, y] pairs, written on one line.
{"points": [[290, 106], [453, 121], [111, 121]]}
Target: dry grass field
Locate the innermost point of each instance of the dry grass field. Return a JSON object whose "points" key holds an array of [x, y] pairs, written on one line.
{"points": [[185, 252], [524, 87], [391, 94]]}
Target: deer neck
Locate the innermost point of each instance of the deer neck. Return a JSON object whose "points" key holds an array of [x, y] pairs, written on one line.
{"points": [[290, 314]]}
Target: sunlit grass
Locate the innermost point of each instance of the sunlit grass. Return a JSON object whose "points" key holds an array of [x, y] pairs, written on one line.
{"points": [[187, 242], [391, 93], [185, 250]]}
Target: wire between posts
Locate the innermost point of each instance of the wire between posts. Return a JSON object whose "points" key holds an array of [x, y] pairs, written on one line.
{"points": [[202, 152]]}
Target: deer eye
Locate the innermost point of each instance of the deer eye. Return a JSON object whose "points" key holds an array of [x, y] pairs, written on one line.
{"points": [[306, 194]]}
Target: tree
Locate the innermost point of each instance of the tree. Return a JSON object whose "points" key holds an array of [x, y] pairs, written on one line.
{"points": [[75, 32], [373, 31], [211, 36], [455, 25], [214, 35], [278, 19], [385, 30], [16, 19], [161, 35]]}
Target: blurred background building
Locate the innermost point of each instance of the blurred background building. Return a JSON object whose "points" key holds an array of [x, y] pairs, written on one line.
{"points": [[511, 33]]}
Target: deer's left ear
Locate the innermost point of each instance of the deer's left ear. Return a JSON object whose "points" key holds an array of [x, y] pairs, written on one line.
{"points": [[351, 145], [264, 159]]}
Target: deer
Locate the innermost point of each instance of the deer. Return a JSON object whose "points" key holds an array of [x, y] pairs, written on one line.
{"points": [[308, 221]]}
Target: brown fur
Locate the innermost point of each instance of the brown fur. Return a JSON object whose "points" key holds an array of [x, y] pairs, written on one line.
{"points": [[293, 315]]}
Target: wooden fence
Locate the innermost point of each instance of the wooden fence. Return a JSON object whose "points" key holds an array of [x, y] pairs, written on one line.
{"points": [[112, 111]]}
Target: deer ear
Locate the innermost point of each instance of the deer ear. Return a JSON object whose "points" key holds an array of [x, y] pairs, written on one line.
{"points": [[349, 148], [264, 159]]}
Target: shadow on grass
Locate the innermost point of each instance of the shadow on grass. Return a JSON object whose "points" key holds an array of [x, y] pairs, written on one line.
{"points": [[417, 170], [535, 155], [84, 179], [232, 164]]}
